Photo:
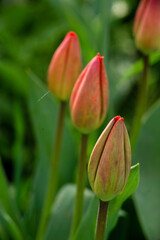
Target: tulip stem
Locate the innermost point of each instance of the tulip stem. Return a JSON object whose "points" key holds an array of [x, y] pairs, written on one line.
{"points": [[101, 220], [141, 101], [81, 181], [53, 178]]}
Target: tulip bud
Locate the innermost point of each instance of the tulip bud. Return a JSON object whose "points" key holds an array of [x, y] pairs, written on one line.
{"points": [[89, 98], [147, 25], [65, 67], [110, 161]]}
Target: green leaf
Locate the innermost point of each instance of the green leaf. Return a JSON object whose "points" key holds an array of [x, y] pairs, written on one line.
{"points": [[61, 218], [138, 66], [18, 146], [87, 227], [117, 202], [5, 200], [3, 233], [131, 186], [13, 78], [44, 111], [12, 229], [147, 152], [41, 40]]}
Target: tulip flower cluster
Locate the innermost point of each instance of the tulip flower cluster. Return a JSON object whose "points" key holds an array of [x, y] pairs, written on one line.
{"points": [[109, 165], [87, 91], [110, 161]]}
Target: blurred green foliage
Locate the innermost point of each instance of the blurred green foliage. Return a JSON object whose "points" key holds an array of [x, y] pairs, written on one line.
{"points": [[30, 31]]}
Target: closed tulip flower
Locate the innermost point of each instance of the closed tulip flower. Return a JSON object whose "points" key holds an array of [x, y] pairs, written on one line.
{"points": [[110, 161], [65, 67], [147, 25], [89, 98]]}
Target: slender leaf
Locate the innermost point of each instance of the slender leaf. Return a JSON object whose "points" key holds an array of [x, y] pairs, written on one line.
{"points": [[138, 66], [86, 229], [14, 78], [5, 199], [12, 228], [131, 186], [60, 222], [147, 152], [117, 202], [44, 111]]}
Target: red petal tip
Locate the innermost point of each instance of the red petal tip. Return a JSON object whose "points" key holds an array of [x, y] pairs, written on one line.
{"points": [[99, 56], [118, 118], [72, 34]]}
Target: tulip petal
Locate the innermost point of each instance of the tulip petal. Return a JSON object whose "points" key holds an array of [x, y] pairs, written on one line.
{"points": [[127, 154], [97, 152], [65, 67], [110, 175], [110, 161], [147, 25], [89, 99]]}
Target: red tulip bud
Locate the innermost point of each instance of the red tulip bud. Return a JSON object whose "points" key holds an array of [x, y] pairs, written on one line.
{"points": [[89, 98], [110, 161], [147, 25], [65, 67]]}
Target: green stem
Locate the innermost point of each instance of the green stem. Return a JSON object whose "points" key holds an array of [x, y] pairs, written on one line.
{"points": [[81, 181], [140, 107], [53, 179], [101, 220]]}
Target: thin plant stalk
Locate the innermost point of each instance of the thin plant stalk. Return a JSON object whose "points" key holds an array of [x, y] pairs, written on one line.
{"points": [[140, 106], [81, 182], [101, 220], [53, 178]]}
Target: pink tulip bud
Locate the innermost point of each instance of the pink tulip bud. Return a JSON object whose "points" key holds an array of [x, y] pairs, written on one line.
{"points": [[147, 25], [65, 67], [110, 161], [89, 98]]}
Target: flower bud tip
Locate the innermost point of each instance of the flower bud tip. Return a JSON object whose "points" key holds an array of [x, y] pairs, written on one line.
{"points": [[72, 34], [99, 56], [118, 118]]}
